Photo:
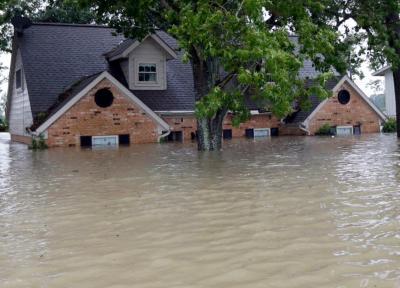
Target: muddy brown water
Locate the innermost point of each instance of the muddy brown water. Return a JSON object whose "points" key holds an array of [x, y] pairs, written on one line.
{"points": [[282, 212]]}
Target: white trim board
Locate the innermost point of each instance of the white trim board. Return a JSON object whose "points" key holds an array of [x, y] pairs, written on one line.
{"points": [[134, 45], [334, 90], [105, 75]]}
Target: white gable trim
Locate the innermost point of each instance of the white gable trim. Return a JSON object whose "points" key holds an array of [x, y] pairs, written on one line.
{"points": [[382, 71], [105, 75], [335, 89], [135, 44]]}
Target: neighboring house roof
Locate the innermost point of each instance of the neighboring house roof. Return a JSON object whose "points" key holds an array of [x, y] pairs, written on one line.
{"points": [[84, 89], [382, 71], [335, 89]]}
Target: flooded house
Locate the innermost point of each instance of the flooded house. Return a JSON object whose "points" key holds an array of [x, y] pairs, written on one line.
{"points": [[80, 85]]}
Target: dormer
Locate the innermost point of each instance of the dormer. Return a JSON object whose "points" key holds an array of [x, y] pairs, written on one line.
{"points": [[144, 62]]}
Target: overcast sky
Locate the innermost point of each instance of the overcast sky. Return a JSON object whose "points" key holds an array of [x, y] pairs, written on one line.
{"points": [[6, 58]]}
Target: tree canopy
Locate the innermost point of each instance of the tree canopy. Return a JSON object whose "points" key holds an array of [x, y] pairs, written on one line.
{"points": [[260, 46]]}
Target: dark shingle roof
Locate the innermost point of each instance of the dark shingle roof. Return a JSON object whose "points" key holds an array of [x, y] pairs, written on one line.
{"points": [[302, 114], [56, 55]]}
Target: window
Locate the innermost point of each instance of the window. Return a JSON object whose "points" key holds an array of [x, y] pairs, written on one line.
{"points": [[147, 72], [262, 132], [175, 136], [104, 98], [227, 134], [344, 130], [104, 140], [344, 97], [18, 79]]}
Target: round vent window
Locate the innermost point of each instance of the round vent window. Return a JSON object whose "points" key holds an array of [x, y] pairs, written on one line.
{"points": [[104, 98], [344, 97]]}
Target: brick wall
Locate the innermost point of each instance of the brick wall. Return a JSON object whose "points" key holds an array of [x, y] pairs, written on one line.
{"points": [[188, 124], [356, 112], [85, 118]]}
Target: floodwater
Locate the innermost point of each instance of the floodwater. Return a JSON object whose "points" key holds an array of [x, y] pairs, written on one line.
{"points": [[281, 212]]}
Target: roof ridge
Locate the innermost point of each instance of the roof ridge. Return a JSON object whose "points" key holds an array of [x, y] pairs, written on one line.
{"points": [[71, 24]]}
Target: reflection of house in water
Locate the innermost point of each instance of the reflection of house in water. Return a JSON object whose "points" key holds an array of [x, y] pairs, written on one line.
{"points": [[79, 85]]}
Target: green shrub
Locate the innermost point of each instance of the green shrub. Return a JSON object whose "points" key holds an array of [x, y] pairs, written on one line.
{"points": [[38, 143], [3, 125], [325, 129], [390, 126]]}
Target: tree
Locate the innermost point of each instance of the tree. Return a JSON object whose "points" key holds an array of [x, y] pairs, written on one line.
{"points": [[245, 43], [380, 19], [66, 11]]}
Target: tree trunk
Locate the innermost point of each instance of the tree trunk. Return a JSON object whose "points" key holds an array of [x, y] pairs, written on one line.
{"points": [[209, 130], [396, 80], [393, 26]]}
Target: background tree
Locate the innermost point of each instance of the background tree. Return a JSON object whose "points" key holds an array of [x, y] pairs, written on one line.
{"points": [[243, 42], [66, 11], [380, 19]]}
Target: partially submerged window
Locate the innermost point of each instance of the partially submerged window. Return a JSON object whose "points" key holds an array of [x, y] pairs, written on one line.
{"points": [[124, 139], [147, 72], [104, 98], [104, 140], [227, 134], [357, 130], [344, 97], [175, 136], [344, 130], [258, 132], [18, 79], [86, 141]]}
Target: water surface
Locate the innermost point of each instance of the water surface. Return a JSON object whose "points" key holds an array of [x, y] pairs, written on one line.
{"points": [[281, 212]]}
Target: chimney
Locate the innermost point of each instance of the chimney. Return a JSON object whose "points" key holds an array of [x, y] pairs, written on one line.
{"points": [[20, 23]]}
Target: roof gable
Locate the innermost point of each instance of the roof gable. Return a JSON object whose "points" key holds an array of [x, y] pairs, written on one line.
{"points": [[126, 47], [65, 106]]}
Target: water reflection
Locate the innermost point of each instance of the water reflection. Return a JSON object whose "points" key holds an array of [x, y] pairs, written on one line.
{"points": [[285, 212]]}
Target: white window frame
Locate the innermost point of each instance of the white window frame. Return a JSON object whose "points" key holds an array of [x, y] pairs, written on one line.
{"points": [[106, 136], [261, 129], [138, 72], [345, 127]]}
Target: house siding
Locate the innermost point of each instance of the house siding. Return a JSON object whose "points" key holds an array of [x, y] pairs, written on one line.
{"points": [[390, 102], [147, 52], [85, 118], [20, 115], [356, 112]]}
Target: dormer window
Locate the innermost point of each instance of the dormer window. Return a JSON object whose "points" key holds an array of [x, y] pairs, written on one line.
{"points": [[18, 79], [147, 72]]}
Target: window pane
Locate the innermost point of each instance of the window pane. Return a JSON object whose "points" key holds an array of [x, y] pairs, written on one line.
{"points": [[153, 68], [141, 77], [152, 77], [141, 68], [18, 78], [146, 77]]}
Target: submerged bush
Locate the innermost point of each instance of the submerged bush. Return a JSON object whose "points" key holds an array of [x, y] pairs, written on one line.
{"points": [[390, 126], [325, 129], [38, 143]]}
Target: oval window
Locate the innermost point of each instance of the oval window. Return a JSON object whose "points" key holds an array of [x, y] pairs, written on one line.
{"points": [[103, 98], [344, 97]]}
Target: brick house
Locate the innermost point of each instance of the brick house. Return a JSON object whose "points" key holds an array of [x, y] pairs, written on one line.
{"points": [[81, 85]]}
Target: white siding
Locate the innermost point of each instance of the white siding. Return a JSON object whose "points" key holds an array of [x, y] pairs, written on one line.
{"points": [[147, 52], [20, 109], [390, 101]]}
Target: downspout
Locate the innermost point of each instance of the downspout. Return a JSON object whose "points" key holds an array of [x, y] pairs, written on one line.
{"points": [[164, 135], [303, 126]]}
